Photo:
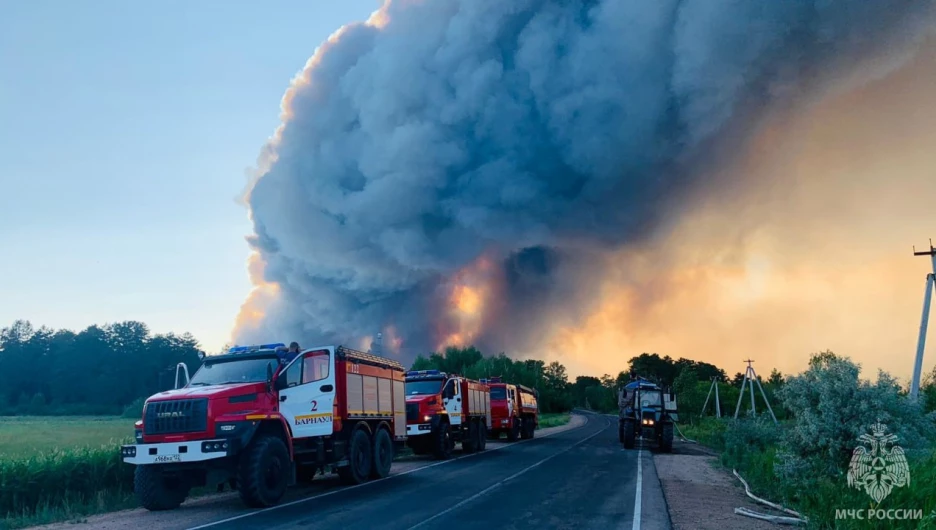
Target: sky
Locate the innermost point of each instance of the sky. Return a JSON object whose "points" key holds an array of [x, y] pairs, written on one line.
{"points": [[127, 133]]}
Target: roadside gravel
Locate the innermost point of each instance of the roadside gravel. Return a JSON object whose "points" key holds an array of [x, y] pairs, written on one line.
{"points": [[701, 496]]}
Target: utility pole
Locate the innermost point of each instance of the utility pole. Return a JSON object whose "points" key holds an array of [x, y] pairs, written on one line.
{"points": [[750, 378], [921, 342], [717, 404]]}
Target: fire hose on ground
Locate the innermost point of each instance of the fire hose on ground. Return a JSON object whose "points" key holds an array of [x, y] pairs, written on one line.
{"points": [[681, 435], [798, 519], [778, 519]]}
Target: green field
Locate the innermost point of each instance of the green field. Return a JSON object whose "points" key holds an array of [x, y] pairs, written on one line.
{"points": [[22, 436], [553, 419]]}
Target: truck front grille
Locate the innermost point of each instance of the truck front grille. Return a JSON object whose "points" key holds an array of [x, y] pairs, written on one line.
{"points": [[176, 416], [412, 412]]}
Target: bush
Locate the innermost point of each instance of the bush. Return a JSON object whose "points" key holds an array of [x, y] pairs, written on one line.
{"points": [[833, 407], [748, 437], [134, 410]]}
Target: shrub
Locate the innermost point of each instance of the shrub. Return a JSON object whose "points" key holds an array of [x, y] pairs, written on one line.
{"points": [[833, 407], [748, 438], [134, 410]]}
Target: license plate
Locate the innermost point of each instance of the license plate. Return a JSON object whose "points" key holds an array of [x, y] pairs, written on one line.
{"points": [[168, 458]]}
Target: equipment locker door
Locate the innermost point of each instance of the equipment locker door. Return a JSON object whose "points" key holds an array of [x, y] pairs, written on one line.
{"points": [[307, 395]]}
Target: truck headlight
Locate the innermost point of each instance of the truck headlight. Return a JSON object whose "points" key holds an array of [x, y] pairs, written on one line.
{"points": [[214, 447]]}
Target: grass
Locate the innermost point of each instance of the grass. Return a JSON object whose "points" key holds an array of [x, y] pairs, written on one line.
{"points": [[553, 419], [55, 468], [23, 436], [821, 496]]}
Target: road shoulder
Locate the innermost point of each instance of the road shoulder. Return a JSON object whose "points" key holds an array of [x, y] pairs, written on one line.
{"points": [[702, 496]]}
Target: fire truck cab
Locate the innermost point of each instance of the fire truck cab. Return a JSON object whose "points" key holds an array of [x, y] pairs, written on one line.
{"points": [[514, 410], [443, 409], [260, 420]]}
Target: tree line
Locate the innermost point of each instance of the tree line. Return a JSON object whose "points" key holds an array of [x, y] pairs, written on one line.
{"points": [[100, 370], [111, 368]]}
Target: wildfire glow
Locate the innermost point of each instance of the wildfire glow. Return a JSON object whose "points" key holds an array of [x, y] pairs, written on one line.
{"points": [[467, 300], [470, 290]]}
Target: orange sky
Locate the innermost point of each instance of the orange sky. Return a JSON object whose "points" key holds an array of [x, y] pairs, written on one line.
{"points": [[813, 252]]}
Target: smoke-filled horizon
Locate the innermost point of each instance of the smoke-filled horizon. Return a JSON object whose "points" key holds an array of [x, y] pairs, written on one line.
{"points": [[476, 171]]}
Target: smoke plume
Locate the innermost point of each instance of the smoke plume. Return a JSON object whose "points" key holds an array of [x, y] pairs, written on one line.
{"points": [[477, 171]]}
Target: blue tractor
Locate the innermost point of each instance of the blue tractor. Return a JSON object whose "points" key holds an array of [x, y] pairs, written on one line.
{"points": [[647, 412]]}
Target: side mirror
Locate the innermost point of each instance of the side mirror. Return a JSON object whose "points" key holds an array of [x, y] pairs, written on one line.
{"points": [[269, 378]]}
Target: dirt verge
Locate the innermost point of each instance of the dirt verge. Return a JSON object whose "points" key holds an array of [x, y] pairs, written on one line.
{"points": [[702, 496]]}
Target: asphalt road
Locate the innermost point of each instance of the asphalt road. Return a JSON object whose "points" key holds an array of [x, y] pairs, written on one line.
{"points": [[580, 478]]}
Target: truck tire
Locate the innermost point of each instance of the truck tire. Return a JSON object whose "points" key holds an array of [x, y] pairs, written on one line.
{"points": [[156, 492], [526, 432], [442, 443], [263, 472], [360, 459], [666, 442], [470, 441], [514, 432], [383, 454], [630, 435], [482, 435]]}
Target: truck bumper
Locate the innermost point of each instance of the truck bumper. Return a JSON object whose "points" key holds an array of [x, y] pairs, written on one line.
{"points": [[418, 429], [176, 452]]}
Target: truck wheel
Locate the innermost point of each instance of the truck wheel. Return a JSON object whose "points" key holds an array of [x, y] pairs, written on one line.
{"points": [[383, 454], [470, 441], [630, 436], [263, 472], [666, 443], [359, 459], [514, 432], [443, 442], [156, 492], [527, 431], [482, 435]]}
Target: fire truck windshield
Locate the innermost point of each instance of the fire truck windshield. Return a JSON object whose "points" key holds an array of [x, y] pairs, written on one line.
{"points": [[498, 392], [233, 371], [423, 388]]}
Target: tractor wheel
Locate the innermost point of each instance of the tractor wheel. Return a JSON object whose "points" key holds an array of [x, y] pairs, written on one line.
{"points": [[443, 444], [630, 435], [360, 459], [263, 472], [157, 492], [383, 454], [666, 443]]}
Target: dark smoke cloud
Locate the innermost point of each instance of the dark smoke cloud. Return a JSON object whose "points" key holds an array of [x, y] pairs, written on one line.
{"points": [[542, 133]]}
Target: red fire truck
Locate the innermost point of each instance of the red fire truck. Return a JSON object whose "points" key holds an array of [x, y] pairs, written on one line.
{"points": [[514, 410], [258, 420], [442, 409]]}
